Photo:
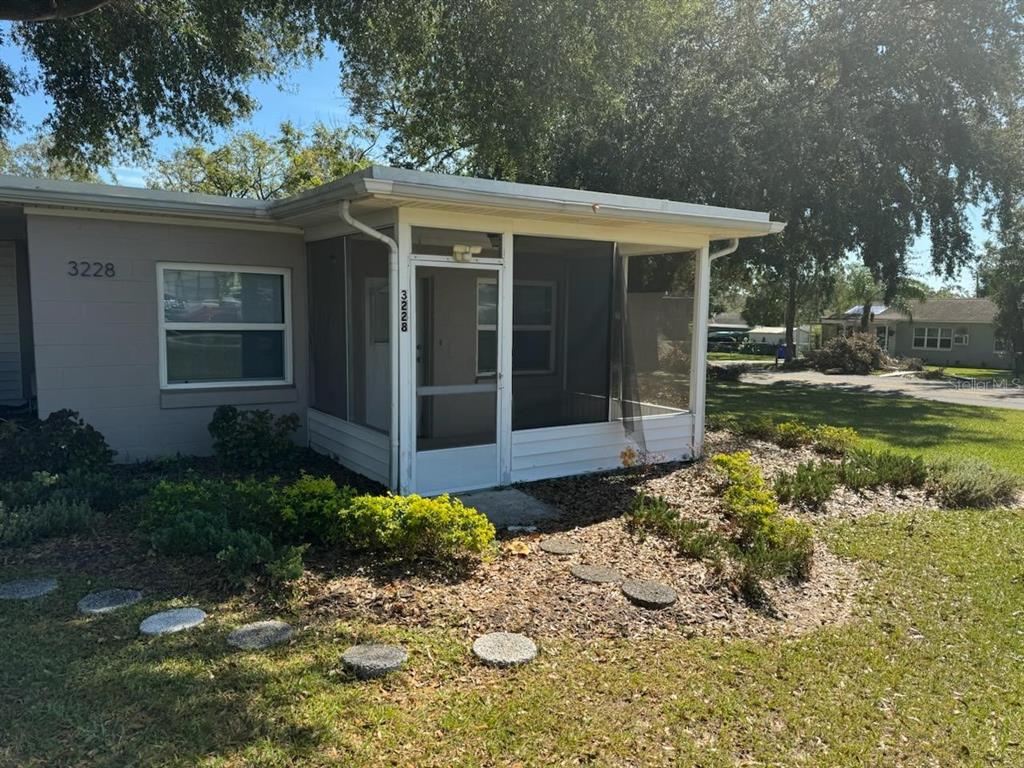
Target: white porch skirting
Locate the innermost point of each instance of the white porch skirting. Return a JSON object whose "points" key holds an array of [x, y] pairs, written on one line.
{"points": [[538, 454], [361, 449]]}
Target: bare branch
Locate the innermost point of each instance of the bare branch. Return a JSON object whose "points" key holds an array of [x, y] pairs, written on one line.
{"points": [[47, 10]]}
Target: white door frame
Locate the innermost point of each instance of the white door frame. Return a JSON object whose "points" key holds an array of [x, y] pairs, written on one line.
{"points": [[406, 312], [471, 466]]}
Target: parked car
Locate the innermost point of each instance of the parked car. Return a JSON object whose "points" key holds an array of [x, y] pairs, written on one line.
{"points": [[726, 341]]}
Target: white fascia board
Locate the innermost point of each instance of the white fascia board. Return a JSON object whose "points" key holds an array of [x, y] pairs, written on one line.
{"points": [[119, 199], [400, 186]]}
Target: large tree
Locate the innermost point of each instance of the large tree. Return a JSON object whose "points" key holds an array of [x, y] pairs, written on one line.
{"points": [[1001, 278], [863, 123], [250, 165], [122, 71]]}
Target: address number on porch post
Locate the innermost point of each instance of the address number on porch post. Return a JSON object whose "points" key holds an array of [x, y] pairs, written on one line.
{"points": [[403, 314]]}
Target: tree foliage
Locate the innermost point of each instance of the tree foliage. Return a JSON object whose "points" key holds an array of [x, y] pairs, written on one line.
{"points": [[861, 123], [118, 73], [1001, 276], [35, 159], [249, 165]]}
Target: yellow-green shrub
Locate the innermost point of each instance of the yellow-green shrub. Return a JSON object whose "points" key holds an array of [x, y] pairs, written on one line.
{"points": [[834, 441], [412, 526], [793, 434]]}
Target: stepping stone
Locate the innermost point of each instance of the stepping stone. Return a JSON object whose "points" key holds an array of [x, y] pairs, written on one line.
{"points": [[560, 546], [649, 594], [26, 589], [505, 649], [596, 574], [373, 660], [107, 600], [166, 622], [260, 635]]}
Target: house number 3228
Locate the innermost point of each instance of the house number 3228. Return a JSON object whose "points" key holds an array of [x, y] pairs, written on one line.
{"points": [[91, 269]]}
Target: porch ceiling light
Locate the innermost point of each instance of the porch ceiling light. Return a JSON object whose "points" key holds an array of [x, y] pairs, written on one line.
{"points": [[465, 252]]}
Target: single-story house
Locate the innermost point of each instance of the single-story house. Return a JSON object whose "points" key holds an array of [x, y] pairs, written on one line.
{"points": [[955, 332], [434, 332]]}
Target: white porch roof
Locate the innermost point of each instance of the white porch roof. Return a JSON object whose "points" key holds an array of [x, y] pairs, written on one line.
{"points": [[379, 187]]}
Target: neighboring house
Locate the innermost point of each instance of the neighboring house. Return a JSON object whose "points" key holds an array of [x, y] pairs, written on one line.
{"points": [[434, 332], [956, 332]]}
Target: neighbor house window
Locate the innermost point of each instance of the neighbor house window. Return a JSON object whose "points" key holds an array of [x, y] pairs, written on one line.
{"points": [[962, 337], [533, 327], [224, 325], [999, 345], [933, 338]]}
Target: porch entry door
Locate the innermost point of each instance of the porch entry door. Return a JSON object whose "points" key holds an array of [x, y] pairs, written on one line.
{"points": [[458, 377]]}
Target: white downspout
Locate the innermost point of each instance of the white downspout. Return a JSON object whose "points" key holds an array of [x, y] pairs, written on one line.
{"points": [[699, 354], [346, 216], [730, 248]]}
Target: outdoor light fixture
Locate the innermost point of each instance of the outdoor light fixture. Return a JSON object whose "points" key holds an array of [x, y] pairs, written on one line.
{"points": [[465, 252]]}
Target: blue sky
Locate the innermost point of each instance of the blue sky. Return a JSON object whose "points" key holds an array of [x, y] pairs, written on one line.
{"points": [[313, 94]]}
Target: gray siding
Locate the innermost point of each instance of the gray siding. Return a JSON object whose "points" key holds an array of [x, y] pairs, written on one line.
{"points": [[979, 353], [11, 385], [96, 339]]}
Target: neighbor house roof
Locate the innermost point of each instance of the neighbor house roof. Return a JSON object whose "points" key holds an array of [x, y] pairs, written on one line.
{"points": [[393, 186], [946, 311]]}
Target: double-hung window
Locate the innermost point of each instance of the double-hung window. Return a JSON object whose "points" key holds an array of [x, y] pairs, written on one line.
{"points": [[927, 337], [999, 345], [961, 337], [224, 326], [533, 326]]}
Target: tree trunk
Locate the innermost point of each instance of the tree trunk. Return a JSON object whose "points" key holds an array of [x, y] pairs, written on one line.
{"points": [[47, 10], [791, 318]]}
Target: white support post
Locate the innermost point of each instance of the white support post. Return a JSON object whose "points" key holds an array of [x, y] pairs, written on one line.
{"points": [[505, 360], [699, 354], [404, 314]]}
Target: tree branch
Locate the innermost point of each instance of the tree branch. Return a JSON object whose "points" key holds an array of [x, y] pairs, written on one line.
{"points": [[47, 10]]}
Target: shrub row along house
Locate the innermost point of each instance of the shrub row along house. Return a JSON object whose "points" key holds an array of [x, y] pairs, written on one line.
{"points": [[433, 332], [959, 332]]}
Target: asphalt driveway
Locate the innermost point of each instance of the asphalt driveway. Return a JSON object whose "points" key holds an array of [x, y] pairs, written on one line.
{"points": [[979, 392]]}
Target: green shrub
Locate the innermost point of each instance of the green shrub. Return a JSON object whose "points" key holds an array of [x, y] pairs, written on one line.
{"points": [[932, 374], [253, 441], [793, 434], [972, 484], [834, 441], [60, 442], [765, 544], [312, 509], [412, 526], [692, 538], [872, 469], [759, 428], [811, 485], [858, 353], [54, 517]]}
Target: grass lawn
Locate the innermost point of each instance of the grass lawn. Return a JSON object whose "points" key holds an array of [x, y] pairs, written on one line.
{"points": [[740, 356], [936, 430], [928, 672], [975, 373], [929, 669]]}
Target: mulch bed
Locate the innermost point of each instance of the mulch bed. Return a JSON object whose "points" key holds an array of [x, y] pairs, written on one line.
{"points": [[526, 590]]}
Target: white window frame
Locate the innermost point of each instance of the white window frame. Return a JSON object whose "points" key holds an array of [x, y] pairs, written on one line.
{"points": [[549, 327], [285, 327], [961, 339], [933, 332], [999, 345]]}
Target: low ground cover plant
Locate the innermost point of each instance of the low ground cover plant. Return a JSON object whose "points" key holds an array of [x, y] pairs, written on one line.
{"points": [[757, 543], [262, 527], [972, 484], [834, 441], [810, 485]]}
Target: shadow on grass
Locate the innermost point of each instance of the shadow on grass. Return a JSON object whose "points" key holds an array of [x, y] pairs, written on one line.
{"points": [[898, 420]]}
